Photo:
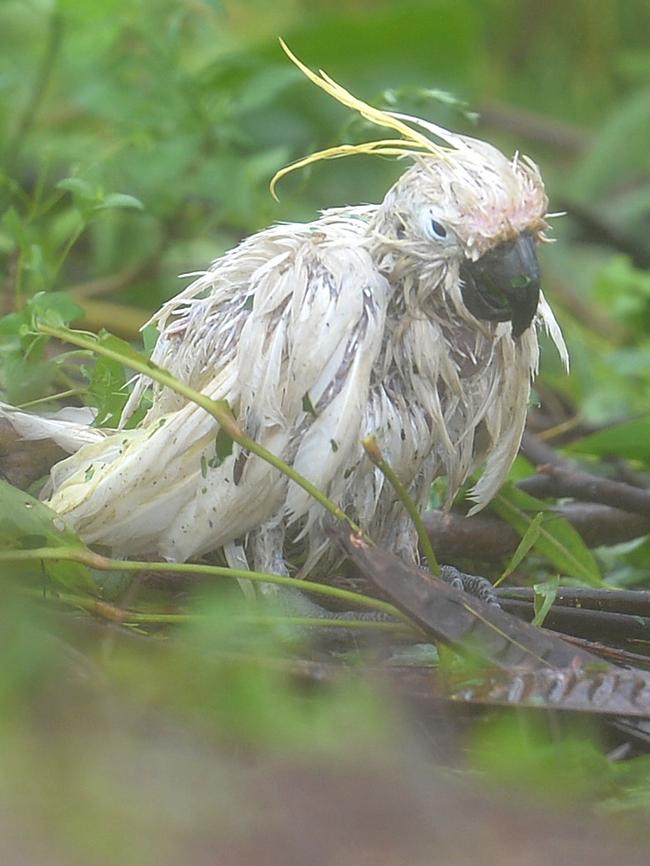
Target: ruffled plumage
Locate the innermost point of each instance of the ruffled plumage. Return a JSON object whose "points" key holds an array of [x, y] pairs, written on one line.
{"points": [[318, 335]]}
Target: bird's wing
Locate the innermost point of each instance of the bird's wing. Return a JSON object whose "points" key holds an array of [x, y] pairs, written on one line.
{"points": [[291, 348], [304, 359], [199, 328]]}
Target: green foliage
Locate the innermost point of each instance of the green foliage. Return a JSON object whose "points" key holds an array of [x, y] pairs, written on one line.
{"points": [[106, 391], [545, 594], [27, 372], [630, 440], [616, 154], [552, 536], [528, 541], [125, 755], [27, 524], [259, 703], [107, 388], [523, 754]]}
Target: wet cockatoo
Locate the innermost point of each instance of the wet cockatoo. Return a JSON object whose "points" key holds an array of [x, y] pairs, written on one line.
{"points": [[414, 320]]}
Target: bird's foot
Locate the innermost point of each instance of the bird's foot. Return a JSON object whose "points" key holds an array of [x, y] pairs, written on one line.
{"points": [[479, 587]]}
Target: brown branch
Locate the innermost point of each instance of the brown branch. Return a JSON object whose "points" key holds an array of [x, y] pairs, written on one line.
{"points": [[558, 481], [537, 452], [22, 462], [627, 475], [525, 124], [590, 624], [456, 618], [634, 602], [488, 538]]}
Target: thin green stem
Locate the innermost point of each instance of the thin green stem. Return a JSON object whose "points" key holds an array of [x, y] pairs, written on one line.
{"points": [[71, 392], [127, 616], [72, 240], [103, 563], [64, 360], [218, 409], [371, 447]]}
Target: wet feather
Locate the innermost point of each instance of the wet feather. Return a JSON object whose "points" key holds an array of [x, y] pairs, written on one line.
{"points": [[318, 335]]}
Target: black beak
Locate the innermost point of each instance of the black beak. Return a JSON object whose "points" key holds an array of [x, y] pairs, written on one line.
{"points": [[504, 284]]}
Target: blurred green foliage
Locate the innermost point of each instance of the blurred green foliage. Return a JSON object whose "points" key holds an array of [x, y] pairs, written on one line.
{"points": [[137, 139]]}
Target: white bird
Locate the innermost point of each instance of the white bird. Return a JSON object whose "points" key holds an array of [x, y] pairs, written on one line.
{"points": [[414, 320]]}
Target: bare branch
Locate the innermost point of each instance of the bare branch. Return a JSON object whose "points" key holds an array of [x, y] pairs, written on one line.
{"points": [[486, 537], [565, 136], [558, 481]]}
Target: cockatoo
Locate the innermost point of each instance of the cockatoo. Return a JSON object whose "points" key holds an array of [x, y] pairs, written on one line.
{"points": [[414, 320]]}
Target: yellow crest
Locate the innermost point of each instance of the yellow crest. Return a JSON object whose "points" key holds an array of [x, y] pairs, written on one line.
{"points": [[408, 142]]}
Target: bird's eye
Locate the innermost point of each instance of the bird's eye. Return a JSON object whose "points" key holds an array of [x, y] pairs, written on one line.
{"points": [[438, 229]]}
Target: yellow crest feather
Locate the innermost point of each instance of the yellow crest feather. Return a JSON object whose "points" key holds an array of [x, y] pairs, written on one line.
{"points": [[410, 140]]}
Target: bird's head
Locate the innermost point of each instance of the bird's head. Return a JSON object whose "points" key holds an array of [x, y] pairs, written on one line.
{"points": [[464, 218], [469, 225]]}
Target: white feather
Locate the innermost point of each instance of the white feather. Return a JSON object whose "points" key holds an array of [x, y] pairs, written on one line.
{"points": [[318, 335], [69, 428]]}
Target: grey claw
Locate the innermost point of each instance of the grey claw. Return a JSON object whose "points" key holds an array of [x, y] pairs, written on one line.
{"points": [[479, 587]]}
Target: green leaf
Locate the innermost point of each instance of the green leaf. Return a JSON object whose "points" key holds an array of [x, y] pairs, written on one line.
{"points": [[11, 324], [394, 99], [106, 391], [78, 187], [557, 540], [308, 406], [120, 200], [528, 541], [16, 226], [523, 500], [630, 440], [119, 346], [25, 524], [150, 336], [55, 308], [545, 594], [223, 445], [26, 379], [26, 372]]}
